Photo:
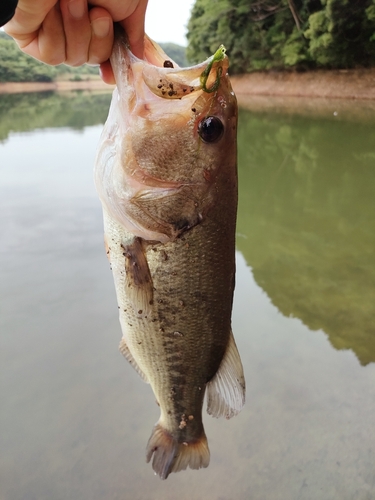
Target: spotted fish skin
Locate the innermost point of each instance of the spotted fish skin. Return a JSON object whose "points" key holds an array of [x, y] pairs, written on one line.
{"points": [[166, 176]]}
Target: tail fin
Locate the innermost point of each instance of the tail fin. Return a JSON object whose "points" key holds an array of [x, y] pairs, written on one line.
{"points": [[171, 456]]}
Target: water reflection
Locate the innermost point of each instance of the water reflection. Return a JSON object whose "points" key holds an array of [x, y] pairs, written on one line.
{"points": [[75, 417], [306, 221], [25, 112], [307, 201]]}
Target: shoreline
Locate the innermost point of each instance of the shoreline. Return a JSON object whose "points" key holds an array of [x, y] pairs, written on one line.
{"points": [[336, 95], [58, 86], [332, 84]]}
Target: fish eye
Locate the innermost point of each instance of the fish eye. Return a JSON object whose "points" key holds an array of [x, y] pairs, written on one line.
{"points": [[210, 129]]}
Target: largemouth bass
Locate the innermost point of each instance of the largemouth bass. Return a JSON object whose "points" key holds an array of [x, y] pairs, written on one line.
{"points": [[166, 176]]}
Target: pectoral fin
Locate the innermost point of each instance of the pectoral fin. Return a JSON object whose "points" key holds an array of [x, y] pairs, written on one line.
{"points": [[138, 277], [226, 390]]}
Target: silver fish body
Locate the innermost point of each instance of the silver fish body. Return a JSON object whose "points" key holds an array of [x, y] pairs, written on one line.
{"points": [[166, 176]]}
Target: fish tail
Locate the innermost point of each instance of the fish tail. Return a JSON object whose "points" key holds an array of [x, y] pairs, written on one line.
{"points": [[171, 456]]}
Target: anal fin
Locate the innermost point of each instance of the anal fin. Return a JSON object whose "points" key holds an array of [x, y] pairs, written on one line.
{"points": [[125, 351], [226, 390]]}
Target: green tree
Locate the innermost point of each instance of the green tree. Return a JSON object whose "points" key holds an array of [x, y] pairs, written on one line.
{"points": [[342, 34], [213, 23], [15, 66], [266, 34], [258, 34]]}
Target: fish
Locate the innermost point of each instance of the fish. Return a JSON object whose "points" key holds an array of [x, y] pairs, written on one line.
{"points": [[166, 175]]}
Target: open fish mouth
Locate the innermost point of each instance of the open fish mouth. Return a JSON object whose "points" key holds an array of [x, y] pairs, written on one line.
{"points": [[163, 76], [158, 76], [175, 83]]}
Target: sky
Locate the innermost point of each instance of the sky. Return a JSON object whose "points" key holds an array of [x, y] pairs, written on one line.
{"points": [[166, 20]]}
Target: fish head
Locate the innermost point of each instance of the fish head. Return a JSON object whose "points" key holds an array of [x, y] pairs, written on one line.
{"points": [[169, 130]]}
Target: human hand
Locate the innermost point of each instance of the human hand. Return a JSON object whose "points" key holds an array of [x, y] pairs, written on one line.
{"points": [[131, 16], [66, 31]]}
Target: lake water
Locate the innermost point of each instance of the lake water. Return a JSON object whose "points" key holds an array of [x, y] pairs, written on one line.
{"points": [[75, 417]]}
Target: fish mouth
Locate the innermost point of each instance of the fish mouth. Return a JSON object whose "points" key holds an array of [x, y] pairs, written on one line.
{"points": [[157, 75], [173, 82]]}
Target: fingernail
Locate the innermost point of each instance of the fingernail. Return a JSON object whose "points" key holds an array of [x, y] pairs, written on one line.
{"points": [[101, 27], [76, 8]]}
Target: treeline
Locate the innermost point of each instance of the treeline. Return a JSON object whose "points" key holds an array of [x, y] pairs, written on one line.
{"points": [[278, 34], [15, 66], [176, 52]]}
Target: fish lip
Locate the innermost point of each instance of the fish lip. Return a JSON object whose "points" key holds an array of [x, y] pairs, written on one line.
{"points": [[217, 57], [171, 82]]}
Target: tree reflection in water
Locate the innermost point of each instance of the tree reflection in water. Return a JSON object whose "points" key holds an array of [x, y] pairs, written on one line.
{"points": [[306, 221], [25, 112]]}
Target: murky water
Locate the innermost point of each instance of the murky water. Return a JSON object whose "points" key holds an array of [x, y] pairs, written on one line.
{"points": [[75, 418]]}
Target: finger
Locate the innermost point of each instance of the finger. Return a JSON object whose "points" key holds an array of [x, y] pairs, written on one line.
{"points": [[77, 31], [47, 44], [101, 37], [134, 26], [106, 73], [27, 20], [51, 39]]}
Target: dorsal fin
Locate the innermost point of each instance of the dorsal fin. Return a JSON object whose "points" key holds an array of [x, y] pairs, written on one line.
{"points": [[226, 390]]}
